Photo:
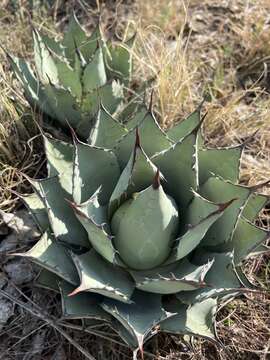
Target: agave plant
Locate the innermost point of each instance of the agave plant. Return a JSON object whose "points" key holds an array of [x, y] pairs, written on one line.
{"points": [[142, 229], [73, 76]]}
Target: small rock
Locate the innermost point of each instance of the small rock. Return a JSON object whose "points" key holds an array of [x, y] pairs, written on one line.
{"points": [[37, 346], [9, 243], [3, 229], [11, 290], [3, 280], [22, 224], [59, 354], [6, 311], [19, 271]]}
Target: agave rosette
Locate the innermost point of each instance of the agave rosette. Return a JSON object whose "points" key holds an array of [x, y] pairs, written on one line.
{"points": [[74, 75], [144, 229]]}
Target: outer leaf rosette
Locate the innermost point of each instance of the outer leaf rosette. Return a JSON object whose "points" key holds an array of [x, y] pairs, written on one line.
{"points": [[73, 76], [142, 228]]}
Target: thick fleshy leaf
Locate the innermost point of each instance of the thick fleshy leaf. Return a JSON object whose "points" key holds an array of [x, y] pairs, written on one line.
{"points": [[222, 278], [246, 238], [153, 140], [93, 217], [140, 317], [125, 335], [119, 60], [110, 95], [219, 191], [55, 69], [45, 64], [133, 115], [59, 155], [197, 319], [84, 305], [65, 225], [37, 210], [99, 276], [180, 276], [179, 166], [94, 167], [53, 45], [186, 126], [54, 257], [94, 74], [34, 93], [199, 217], [223, 162], [106, 130], [47, 280], [75, 39], [144, 228], [62, 105], [136, 176], [254, 205], [70, 78]]}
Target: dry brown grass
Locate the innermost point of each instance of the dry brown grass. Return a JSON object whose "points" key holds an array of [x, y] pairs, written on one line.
{"points": [[192, 48]]}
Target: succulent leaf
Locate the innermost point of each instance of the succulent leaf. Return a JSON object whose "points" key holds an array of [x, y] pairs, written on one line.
{"points": [[110, 95], [170, 279], [38, 211], [47, 280], [94, 75], [119, 59], [62, 105], [246, 238], [140, 317], [186, 126], [222, 279], [55, 69], [53, 45], [33, 92], [93, 217], [82, 306], [99, 276], [45, 64], [200, 216], [144, 228], [106, 130], [196, 319], [65, 225], [254, 205], [217, 190], [133, 115], [54, 257], [153, 140], [75, 39], [86, 178], [223, 162], [136, 176], [70, 78], [59, 156], [178, 165]]}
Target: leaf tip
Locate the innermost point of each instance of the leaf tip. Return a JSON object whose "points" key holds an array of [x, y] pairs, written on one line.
{"points": [[156, 180], [137, 140], [224, 206]]}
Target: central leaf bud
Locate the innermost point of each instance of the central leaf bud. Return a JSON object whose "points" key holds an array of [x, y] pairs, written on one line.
{"points": [[145, 227]]}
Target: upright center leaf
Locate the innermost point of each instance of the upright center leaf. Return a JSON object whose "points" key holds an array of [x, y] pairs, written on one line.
{"points": [[145, 226]]}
